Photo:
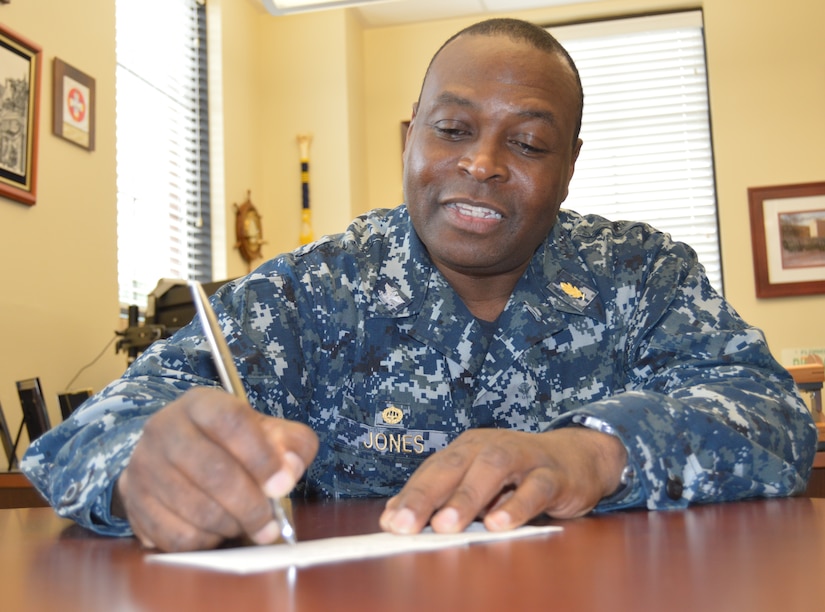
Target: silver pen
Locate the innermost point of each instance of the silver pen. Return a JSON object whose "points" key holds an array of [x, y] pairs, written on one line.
{"points": [[230, 379]]}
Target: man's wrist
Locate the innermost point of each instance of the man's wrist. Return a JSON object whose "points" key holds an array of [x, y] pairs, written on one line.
{"points": [[627, 474]]}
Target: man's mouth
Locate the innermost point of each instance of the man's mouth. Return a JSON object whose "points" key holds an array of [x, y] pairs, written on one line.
{"points": [[479, 212]]}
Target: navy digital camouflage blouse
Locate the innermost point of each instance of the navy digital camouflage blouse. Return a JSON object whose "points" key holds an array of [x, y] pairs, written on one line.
{"points": [[359, 336]]}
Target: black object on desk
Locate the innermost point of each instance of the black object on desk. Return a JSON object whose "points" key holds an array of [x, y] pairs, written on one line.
{"points": [[71, 400], [5, 437], [35, 414]]}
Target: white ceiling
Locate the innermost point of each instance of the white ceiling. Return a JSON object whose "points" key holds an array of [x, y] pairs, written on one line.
{"points": [[395, 12]]}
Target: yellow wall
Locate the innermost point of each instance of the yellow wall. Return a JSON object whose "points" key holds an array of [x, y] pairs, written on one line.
{"points": [[766, 62], [311, 83], [323, 73], [300, 74], [58, 265]]}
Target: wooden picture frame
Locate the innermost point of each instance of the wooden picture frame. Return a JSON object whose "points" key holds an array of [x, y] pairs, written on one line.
{"points": [[9, 451], [788, 239], [74, 105], [19, 116]]}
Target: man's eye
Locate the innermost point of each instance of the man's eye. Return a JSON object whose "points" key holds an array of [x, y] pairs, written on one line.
{"points": [[450, 132], [527, 148]]}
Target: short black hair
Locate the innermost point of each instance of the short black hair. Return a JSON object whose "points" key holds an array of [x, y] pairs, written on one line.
{"points": [[520, 30]]}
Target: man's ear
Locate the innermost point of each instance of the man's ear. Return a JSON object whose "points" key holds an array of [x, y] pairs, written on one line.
{"points": [[576, 150], [409, 127], [574, 156]]}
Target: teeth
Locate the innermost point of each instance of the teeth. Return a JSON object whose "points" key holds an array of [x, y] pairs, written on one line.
{"points": [[477, 211]]}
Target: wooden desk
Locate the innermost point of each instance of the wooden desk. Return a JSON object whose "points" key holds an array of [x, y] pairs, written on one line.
{"points": [[17, 492], [757, 555], [816, 484]]}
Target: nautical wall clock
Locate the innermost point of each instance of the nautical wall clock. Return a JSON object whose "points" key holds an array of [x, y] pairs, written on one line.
{"points": [[248, 230]]}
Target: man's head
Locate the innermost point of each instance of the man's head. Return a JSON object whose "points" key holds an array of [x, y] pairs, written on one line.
{"points": [[492, 146], [532, 34]]}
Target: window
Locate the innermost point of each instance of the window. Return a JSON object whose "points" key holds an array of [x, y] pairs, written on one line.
{"points": [[163, 225], [647, 147]]}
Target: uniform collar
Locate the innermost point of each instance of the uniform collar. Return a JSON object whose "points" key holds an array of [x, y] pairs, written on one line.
{"points": [[557, 274], [556, 284]]}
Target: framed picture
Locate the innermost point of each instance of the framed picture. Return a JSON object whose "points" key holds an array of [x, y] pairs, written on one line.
{"points": [[19, 112], [74, 105], [788, 238]]}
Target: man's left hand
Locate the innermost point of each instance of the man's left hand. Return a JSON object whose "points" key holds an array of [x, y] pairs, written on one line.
{"points": [[507, 478]]}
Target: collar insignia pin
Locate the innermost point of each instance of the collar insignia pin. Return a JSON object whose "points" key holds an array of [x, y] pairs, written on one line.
{"points": [[390, 296], [571, 290]]}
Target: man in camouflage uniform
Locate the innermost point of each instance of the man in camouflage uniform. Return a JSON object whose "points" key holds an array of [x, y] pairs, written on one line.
{"points": [[475, 351]]}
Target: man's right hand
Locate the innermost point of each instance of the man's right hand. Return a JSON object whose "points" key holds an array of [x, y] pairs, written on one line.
{"points": [[205, 470]]}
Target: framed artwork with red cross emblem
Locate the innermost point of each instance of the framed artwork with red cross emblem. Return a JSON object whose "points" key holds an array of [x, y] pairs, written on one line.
{"points": [[74, 105]]}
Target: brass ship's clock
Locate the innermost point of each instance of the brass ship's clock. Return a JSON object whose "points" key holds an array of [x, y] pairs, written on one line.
{"points": [[248, 231]]}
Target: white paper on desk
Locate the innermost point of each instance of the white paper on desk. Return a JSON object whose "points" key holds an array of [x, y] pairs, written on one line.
{"points": [[251, 559]]}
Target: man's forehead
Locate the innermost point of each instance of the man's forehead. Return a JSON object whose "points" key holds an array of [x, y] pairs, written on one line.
{"points": [[466, 49], [472, 41], [459, 58]]}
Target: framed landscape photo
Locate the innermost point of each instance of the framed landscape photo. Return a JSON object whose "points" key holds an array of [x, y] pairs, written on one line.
{"points": [[19, 111], [788, 239], [74, 105]]}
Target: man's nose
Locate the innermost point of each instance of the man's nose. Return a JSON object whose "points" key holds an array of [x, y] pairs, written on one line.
{"points": [[484, 160]]}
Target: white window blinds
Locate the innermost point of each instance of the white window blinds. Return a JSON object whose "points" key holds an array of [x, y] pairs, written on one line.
{"points": [[162, 145], [647, 147]]}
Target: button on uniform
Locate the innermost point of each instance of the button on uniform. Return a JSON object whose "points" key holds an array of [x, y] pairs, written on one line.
{"points": [[674, 488]]}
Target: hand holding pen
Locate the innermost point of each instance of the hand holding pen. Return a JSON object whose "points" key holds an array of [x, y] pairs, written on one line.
{"points": [[205, 469], [231, 381]]}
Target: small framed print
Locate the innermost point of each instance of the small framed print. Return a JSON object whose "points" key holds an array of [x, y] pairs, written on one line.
{"points": [[74, 105], [19, 112], [788, 239]]}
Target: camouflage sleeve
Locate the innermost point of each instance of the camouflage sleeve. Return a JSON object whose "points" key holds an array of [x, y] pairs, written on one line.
{"points": [[707, 414], [75, 465]]}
